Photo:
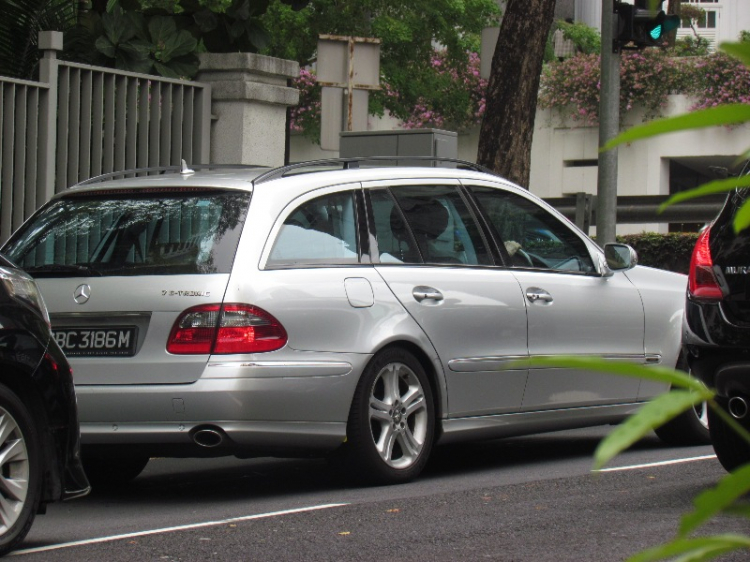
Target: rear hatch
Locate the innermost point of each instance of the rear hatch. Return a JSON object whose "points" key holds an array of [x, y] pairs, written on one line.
{"points": [[731, 256], [117, 267]]}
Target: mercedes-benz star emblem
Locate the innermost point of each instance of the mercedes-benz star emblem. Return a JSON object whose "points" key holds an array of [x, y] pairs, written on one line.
{"points": [[82, 294]]}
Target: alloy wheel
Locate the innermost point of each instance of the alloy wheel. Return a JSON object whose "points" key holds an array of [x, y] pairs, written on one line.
{"points": [[398, 415]]}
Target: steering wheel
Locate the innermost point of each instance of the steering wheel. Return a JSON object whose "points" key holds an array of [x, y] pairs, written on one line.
{"points": [[522, 258]]}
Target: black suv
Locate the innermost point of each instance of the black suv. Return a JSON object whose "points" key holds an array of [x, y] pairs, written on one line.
{"points": [[39, 434], [717, 325]]}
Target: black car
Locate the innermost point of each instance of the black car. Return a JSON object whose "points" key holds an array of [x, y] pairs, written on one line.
{"points": [[717, 325], [39, 434]]}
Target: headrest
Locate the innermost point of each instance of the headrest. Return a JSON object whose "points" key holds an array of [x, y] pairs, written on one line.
{"points": [[428, 219]]}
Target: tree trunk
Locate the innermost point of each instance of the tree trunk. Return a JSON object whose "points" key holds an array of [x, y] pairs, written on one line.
{"points": [[508, 123]]}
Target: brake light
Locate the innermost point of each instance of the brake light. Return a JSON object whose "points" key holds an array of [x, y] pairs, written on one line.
{"points": [[227, 329], [702, 283]]}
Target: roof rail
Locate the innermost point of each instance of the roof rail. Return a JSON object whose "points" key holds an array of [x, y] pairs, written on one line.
{"points": [[154, 170], [357, 162]]}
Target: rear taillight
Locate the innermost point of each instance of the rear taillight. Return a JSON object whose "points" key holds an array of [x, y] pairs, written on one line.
{"points": [[231, 328], [702, 283]]}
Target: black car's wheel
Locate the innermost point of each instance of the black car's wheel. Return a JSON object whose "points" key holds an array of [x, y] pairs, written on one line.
{"points": [[690, 427], [20, 470], [392, 420], [731, 450], [106, 471]]}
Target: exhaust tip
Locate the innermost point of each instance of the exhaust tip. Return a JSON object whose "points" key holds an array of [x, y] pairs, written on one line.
{"points": [[208, 437], [738, 407]]}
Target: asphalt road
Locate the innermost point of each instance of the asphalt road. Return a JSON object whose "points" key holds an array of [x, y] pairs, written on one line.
{"points": [[523, 499]]}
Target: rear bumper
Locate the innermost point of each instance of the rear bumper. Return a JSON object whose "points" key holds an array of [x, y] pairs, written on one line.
{"points": [[718, 350], [254, 406]]}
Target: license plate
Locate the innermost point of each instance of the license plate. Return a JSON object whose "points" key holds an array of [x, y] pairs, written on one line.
{"points": [[115, 341]]}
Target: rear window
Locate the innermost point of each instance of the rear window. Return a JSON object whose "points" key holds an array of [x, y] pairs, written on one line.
{"points": [[132, 234]]}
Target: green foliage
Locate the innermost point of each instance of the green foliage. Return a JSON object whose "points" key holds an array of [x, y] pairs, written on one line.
{"points": [[646, 79], [132, 41], [723, 497], [670, 251], [20, 24], [305, 117], [148, 36], [690, 46], [586, 39], [237, 28], [408, 33]]}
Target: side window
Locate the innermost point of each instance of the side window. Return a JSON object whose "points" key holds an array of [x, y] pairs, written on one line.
{"points": [[532, 236], [319, 232], [426, 224]]}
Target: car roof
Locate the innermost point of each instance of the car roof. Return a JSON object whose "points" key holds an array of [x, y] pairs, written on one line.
{"points": [[300, 177]]}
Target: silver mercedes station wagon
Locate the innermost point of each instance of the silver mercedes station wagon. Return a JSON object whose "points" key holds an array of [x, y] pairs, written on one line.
{"points": [[342, 308]]}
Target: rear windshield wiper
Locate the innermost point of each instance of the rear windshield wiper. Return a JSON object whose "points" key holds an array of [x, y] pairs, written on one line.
{"points": [[62, 270]]}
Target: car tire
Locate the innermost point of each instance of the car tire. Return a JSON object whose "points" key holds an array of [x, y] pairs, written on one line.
{"points": [[108, 471], [391, 424], [731, 450], [21, 467], [690, 427]]}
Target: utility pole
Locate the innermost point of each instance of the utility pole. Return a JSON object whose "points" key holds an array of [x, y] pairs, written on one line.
{"points": [[609, 126]]}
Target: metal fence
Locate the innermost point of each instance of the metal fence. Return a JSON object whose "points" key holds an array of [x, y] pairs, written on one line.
{"points": [[80, 121], [639, 209]]}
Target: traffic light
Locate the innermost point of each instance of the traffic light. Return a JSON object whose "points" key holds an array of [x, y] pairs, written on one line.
{"points": [[639, 26]]}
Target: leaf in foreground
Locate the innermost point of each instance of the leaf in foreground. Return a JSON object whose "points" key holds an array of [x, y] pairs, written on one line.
{"points": [[710, 188], [727, 115], [613, 367], [693, 550], [711, 502], [740, 51], [652, 415]]}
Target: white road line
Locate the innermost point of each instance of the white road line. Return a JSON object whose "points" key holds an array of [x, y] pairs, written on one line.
{"points": [[177, 528], [653, 464]]}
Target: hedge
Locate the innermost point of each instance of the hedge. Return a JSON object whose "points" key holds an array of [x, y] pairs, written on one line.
{"points": [[666, 251]]}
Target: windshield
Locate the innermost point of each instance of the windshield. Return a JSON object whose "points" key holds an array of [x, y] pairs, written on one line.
{"points": [[155, 233]]}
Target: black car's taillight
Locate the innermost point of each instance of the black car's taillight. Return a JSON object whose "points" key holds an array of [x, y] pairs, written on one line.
{"points": [[702, 282], [225, 329]]}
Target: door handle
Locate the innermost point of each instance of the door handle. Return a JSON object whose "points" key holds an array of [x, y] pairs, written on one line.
{"points": [[426, 293], [536, 294]]}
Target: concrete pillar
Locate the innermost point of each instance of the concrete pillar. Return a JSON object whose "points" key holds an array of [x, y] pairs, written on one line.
{"points": [[250, 96]]}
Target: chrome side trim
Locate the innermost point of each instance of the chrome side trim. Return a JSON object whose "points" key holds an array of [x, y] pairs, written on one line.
{"points": [[479, 364]]}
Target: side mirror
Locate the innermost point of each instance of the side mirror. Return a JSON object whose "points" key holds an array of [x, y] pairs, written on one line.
{"points": [[620, 256]]}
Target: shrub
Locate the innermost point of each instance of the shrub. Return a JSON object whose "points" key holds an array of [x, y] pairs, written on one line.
{"points": [[305, 116], [664, 251], [646, 79], [719, 79], [452, 96]]}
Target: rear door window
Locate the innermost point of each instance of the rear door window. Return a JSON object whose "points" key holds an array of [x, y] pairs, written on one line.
{"points": [[162, 233], [426, 224]]}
